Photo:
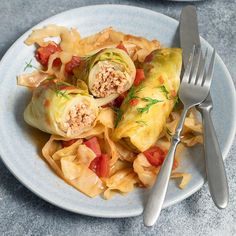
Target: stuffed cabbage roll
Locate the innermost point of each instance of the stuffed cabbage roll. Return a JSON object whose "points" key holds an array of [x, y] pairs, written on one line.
{"points": [[147, 106], [108, 72], [61, 109]]}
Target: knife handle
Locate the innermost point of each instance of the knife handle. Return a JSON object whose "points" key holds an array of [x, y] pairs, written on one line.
{"points": [[215, 170]]}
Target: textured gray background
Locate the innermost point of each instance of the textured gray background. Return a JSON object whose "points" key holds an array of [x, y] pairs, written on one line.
{"points": [[23, 213]]}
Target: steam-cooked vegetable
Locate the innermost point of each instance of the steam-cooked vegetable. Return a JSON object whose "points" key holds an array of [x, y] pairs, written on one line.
{"points": [[58, 108], [108, 72], [141, 123]]}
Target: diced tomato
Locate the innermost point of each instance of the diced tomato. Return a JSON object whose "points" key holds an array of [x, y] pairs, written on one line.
{"points": [[43, 53], [104, 166], [94, 145], [75, 61], [65, 87], [122, 47], [173, 93], [100, 165], [155, 156], [149, 58], [57, 62], [139, 77], [134, 102], [118, 101], [94, 164], [68, 143], [161, 80]]}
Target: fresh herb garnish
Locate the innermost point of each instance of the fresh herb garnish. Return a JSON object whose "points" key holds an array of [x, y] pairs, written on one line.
{"points": [[131, 95], [176, 103], [50, 78], [168, 131], [29, 65], [60, 93], [164, 90], [63, 83], [150, 101], [118, 115], [141, 122]]}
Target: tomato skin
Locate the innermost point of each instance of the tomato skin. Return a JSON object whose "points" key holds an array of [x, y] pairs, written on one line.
{"points": [[139, 77], [68, 143], [93, 144], [149, 58], [57, 62], [122, 47], [42, 54], [65, 87], [118, 101], [133, 102], [155, 156], [100, 165], [94, 164], [75, 61], [104, 166]]}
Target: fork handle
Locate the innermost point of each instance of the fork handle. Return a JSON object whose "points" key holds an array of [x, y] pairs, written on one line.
{"points": [[215, 169], [157, 196]]}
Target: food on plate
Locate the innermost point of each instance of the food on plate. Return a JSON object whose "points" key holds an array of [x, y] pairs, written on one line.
{"points": [[61, 109], [110, 104], [148, 105], [109, 72]]}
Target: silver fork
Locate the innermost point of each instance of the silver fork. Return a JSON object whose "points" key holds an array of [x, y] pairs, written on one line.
{"points": [[194, 88]]}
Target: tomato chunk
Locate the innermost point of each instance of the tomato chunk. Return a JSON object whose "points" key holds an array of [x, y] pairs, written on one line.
{"points": [[104, 166], [133, 102], [94, 164], [139, 77], [43, 53], [100, 165], [68, 143], [122, 47], [75, 61], [155, 156], [94, 145]]}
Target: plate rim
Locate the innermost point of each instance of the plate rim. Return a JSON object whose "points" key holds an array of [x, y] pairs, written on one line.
{"points": [[106, 214]]}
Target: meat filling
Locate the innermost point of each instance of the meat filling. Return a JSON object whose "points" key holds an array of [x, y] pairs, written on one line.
{"points": [[109, 80], [79, 117]]}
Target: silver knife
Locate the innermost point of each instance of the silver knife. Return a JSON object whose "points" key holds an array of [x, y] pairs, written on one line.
{"points": [[215, 169]]}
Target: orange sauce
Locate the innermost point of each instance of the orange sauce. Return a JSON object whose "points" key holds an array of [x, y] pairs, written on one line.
{"points": [[38, 138]]}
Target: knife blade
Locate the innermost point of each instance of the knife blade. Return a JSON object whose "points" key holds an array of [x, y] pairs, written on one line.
{"points": [[216, 175]]}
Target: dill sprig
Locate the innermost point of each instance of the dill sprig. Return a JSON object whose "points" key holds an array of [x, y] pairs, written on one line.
{"points": [[60, 93], [164, 90], [29, 65], [141, 122], [150, 101], [176, 103], [118, 115], [131, 95], [63, 83], [168, 132]]}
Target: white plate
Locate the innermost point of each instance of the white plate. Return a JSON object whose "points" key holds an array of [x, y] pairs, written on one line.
{"points": [[19, 151]]}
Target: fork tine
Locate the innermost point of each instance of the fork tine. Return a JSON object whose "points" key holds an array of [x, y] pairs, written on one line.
{"points": [[202, 69], [196, 65], [208, 78], [187, 71]]}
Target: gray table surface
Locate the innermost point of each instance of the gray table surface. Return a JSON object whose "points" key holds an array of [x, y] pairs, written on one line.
{"points": [[23, 213]]}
